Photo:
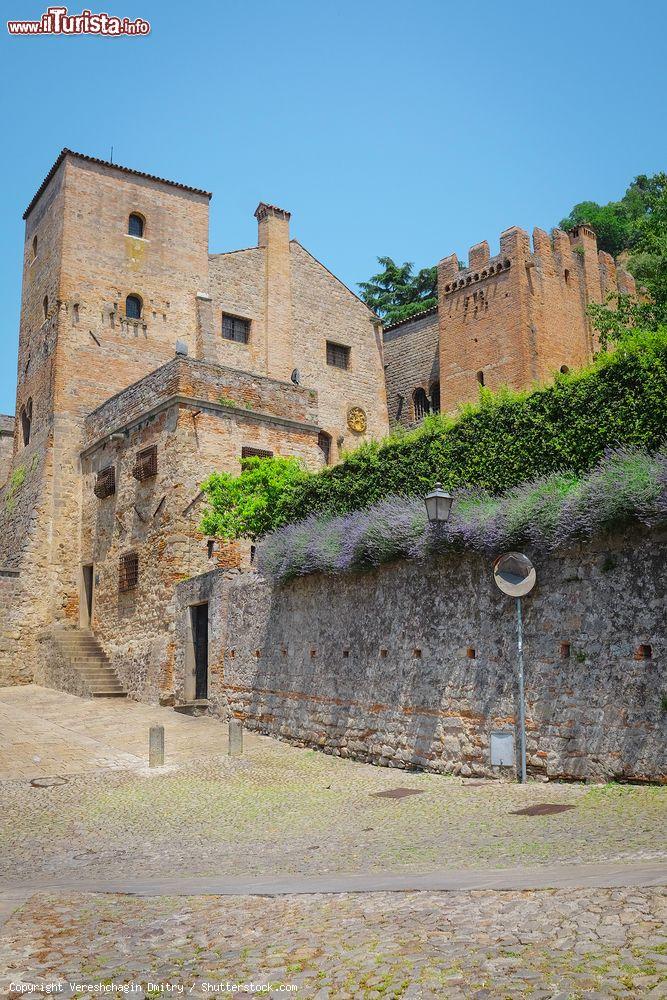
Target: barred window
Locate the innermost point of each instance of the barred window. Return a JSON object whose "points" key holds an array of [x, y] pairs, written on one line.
{"points": [[435, 397], [135, 225], [105, 483], [338, 355], [128, 571], [145, 465], [249, 452], [235, 328], [133, 306], [324, 444], [421, 403]]}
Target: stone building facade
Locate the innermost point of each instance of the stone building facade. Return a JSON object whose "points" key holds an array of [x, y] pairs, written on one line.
{"points": [[413, 665], [135, 340], [513, 319]]}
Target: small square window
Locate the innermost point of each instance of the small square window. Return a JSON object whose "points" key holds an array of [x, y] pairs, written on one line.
{"points": [[338, 356], [235, 328], [105, 483], [128, 571], [145, 466]]}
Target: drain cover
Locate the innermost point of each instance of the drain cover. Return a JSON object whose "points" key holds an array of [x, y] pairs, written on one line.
{"points": [[47, 782], [397, 793], [542, 809]]}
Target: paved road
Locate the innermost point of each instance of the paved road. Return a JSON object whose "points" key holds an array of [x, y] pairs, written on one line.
{"points": [[598, 876]]}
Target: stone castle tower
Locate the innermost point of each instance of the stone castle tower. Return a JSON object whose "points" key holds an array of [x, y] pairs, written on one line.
{"points": [[512, 319], [116, 273]]}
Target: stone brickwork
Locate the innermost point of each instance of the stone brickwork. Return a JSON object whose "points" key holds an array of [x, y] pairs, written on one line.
{"points": [[177, 409], [6, 446], [88, 368], [411, 362], [512, 319], [413, 665]]}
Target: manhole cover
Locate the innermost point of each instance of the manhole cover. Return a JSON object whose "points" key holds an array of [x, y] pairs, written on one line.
{"points": [[47, 782], [397, 793], [542, 809]]}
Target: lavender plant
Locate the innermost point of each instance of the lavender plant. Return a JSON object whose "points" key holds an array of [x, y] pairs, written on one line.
{"points": [[627, 485]]}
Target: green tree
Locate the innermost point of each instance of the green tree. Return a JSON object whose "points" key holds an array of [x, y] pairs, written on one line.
{"points": [[248, 505], [396, 293]]}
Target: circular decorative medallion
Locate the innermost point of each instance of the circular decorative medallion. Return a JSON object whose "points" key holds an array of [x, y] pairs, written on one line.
{"points": [[356, 419]]}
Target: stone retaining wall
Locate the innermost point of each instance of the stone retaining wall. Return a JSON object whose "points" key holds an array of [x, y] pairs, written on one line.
{"points": [[413, 665]]}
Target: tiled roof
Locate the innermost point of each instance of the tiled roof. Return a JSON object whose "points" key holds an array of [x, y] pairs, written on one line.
{"points": [[105, 163], [418, 315]]}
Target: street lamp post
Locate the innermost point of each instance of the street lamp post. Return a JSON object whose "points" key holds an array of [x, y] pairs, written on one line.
{"points": [[515, 575]]}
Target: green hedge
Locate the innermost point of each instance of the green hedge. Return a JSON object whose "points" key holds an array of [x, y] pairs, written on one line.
{"points": [[506, 439]]}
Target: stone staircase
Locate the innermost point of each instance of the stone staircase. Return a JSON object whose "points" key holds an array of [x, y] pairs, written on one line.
{"points": [[89, 662]]}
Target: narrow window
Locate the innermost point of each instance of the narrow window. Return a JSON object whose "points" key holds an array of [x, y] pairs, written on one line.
{"points": [[128, 571], [145, 466], [338, 355], [105, 483], [45, 306], [26, 421], [567, 276], [34, 248], [235, 328], [135, 225], [133, 307], [421, 403], [435, 397], [480, 377], [324, 444], [247, 451], [210, 548]]}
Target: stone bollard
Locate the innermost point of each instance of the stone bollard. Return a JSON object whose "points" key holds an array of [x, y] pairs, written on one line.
{"points": [[235, 737], [156, 746]]}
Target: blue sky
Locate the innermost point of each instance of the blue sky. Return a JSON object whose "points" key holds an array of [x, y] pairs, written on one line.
{"points": [[407, 129]]}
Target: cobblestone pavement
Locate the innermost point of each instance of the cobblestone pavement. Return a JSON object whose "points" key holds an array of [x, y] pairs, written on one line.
{"points": [[72, 735], [284, 810], [575, 944]]}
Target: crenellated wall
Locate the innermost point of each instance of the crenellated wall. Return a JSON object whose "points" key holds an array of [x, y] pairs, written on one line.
{"points": [[516, 318], [414, 664]]}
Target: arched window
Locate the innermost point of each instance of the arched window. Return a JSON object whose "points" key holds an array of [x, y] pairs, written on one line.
{"points": [[434, 393], [135, 225], [34, 248], [421, 403], [26, 421], [133, 307], [564, 369], [45, 306], [324, 443], [480, 378]]}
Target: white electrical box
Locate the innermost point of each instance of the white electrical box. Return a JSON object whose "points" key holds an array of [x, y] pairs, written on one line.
{"points": [[502, 749]]}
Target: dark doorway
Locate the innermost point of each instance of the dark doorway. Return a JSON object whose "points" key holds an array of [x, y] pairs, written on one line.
{"points": [[200, 641], [87, 603]]}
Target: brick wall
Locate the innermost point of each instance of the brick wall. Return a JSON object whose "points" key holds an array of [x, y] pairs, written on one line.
{"points": [[411, 361], [6, 446], [159, 518], [413, 665]]}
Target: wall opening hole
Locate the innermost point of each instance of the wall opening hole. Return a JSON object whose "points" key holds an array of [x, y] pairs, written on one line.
{"points": [[565, 650], [470, 653], [346, 654], [644, 652], [210, 548], [480, 377], [417, 654], [564, 369], [313, 654], [383, 653]]}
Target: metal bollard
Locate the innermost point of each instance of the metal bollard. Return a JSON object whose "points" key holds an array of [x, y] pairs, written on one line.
{"points": [[235, 738], [156, 746]]}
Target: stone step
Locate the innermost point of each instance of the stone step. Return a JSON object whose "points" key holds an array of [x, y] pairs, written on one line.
{"points": [[109, 694]]}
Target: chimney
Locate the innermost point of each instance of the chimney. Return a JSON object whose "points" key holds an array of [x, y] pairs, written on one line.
{"points": [[273, 236]]}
